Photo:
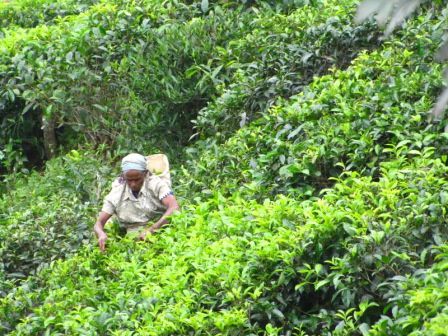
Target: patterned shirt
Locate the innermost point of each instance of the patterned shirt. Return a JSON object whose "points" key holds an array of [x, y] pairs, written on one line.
{"points": [[133, 212]]}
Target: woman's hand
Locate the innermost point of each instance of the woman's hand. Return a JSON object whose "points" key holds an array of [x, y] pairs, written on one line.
{"points": [[146, 232], [102, 237], [99, 229]]}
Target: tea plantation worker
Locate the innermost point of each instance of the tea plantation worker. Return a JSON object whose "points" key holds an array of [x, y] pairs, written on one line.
{"points": [[136, 199]]}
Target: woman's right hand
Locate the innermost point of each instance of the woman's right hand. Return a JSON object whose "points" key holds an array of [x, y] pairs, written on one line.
{"points": [[99, 229], [102, 237]]}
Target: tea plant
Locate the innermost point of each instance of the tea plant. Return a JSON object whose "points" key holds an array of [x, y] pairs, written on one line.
{"points": [[44, 218], [417, 302], [323, 215], [345, 120], [295, 48], [30, 13], [233, 266], [154, 65]]}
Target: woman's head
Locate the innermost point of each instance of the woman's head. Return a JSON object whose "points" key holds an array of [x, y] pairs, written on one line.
{"points": [[133, 168]]}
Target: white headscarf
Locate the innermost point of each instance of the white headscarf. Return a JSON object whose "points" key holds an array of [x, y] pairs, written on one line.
{"points": [[133, 161]]}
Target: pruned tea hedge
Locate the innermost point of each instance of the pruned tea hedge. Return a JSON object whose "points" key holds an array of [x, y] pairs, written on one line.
{"points": [[313, 195]]}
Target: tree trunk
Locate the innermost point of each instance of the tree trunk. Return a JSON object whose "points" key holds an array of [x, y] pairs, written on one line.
{"points": [[48, 129]]}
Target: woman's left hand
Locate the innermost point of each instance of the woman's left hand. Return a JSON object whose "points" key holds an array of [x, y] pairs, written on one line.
{"points": [[149, 231]]}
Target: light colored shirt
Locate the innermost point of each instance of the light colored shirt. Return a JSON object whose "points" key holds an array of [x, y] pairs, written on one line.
{"points": [[133, 212]]}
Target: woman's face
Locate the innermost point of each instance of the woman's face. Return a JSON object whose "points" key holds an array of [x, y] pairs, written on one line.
{"points": [[134, 179]]}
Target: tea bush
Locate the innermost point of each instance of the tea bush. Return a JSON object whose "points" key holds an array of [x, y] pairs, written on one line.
{"points": [[350, 119], [45, 217], [147, 68], [31, 13], [325, 214], [56, 45], [233, 266], [73, 52], [278, 58], [418, 302]]}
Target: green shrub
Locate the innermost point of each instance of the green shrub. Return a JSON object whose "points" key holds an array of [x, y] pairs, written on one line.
{"points": [[233, 266], [417, 302], [350, 119], [31, 13], [147, 68], [348, 249], [46, 217], [279, 56]]}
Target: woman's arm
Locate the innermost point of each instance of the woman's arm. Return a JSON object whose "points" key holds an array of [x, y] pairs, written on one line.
{"points": [[103, 217], [171, 206]]}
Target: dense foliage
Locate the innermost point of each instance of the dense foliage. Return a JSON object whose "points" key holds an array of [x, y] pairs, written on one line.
{"points": [[157, 65], [30, 13], [32, 236], [236, 266], [347, 120], [314, 196]]}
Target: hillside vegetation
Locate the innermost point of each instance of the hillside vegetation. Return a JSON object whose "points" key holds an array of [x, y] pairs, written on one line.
{"points": [[313, 185]]}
